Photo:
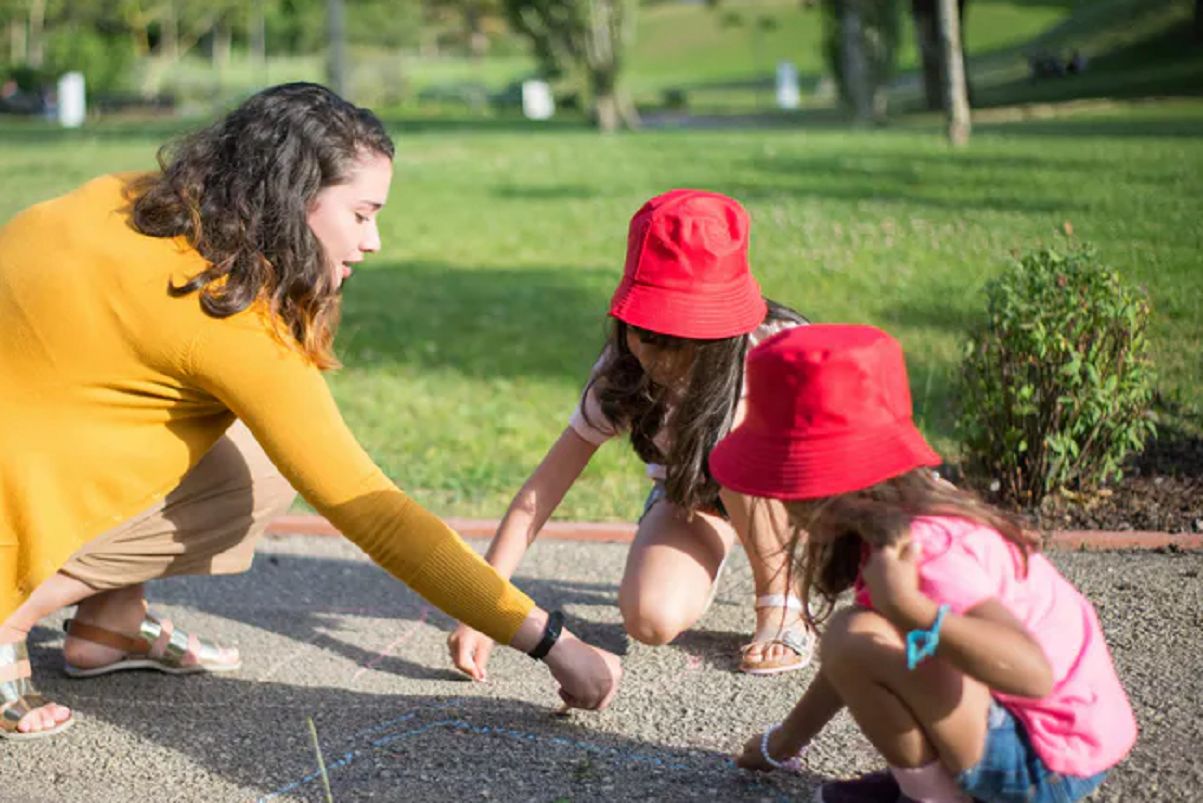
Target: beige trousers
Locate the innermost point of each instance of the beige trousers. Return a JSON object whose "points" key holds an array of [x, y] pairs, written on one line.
{"points": [[207, 525]]}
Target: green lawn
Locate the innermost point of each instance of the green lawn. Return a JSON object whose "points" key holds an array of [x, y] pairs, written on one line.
{"points": [[466, 341]]}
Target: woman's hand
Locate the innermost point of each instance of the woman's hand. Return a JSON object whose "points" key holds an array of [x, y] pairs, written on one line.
{"points": [[470, 650], [588, 676]]}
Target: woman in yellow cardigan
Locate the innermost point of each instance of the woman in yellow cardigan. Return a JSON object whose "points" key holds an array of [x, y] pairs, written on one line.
{"points": [[140, 318]]}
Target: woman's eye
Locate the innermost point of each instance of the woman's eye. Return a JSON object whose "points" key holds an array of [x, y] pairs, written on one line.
{"points": [[360, 218]]}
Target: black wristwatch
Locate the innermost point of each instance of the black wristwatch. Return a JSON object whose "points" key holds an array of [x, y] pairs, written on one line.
{"points": [[551, 634]]}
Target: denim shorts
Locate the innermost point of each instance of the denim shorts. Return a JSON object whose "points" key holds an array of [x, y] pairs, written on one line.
{"points": [[1011, 772], [659, 491]]}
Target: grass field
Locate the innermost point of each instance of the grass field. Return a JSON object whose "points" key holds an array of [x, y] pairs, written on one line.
{"points": [[466, 341]]}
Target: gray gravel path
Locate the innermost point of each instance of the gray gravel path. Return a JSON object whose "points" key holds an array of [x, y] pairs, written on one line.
{"points": [[327, 635]]}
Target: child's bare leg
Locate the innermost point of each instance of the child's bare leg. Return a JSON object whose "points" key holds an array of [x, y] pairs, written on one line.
{"points": [[912, 717], [763, 528], [671, 566]]}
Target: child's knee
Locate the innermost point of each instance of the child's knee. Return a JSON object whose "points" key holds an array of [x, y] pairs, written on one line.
{"points": [[651, 623]]}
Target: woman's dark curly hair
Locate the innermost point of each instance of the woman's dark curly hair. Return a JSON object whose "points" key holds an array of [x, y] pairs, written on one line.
{"points": [[702, 408], [239, 192]]}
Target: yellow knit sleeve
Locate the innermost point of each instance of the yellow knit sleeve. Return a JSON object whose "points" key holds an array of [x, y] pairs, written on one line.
{"points": [[286, 403]]}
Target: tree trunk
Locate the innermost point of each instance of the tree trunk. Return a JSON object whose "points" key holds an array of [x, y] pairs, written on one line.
{"points": [[37, 22], [221, 46], [258, 36], [927, 39], [855, 65], [336, 60], [169, 33], [956, 98], [17, 41], [605, 106]]}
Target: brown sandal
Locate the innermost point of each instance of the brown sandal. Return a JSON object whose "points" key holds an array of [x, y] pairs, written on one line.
{"points": [[159, 646], [18, 696]]}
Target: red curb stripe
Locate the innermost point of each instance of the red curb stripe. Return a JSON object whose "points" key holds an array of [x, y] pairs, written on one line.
{"points": [[472, 528], [615, 532]]}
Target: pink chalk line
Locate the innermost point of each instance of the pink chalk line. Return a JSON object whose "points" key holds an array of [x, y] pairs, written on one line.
{"points": [[404, 637]]}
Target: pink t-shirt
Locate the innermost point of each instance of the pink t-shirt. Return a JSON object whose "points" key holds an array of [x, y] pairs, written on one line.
{"points": [[1085, 725], [597, 429]]}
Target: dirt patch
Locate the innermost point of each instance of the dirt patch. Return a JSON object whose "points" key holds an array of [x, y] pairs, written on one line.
{"points": [[1162, 491]]}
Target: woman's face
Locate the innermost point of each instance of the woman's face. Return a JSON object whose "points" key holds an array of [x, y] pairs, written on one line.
{"points": [[343, 216]]}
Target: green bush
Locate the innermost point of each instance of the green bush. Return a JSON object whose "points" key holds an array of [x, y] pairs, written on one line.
{"points": [[1056, 385]]}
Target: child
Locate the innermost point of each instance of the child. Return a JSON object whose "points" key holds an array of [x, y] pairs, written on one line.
{"points": [[969, 662], [685, 314]]}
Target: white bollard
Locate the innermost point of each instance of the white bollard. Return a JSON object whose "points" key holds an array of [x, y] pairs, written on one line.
{"points": [[72, 103], [537, 101], [788, 95]]}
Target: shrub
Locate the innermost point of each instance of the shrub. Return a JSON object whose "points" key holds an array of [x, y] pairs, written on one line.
{"points": [[1056, 384]]}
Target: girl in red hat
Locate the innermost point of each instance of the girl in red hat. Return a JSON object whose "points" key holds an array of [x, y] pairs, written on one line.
{"points": [[671, 376], [970, 663]]}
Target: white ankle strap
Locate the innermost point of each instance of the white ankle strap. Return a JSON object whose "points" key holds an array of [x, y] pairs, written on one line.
{"points": [[787, 601]]}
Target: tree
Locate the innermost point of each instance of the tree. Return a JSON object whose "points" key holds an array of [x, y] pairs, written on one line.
{"points": [[927, 39], [956, 98], [860, 43], [586, 37]]}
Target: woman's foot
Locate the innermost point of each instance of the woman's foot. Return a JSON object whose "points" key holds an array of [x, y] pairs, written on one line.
{"points": [[114, 630], [25, 714], [781, 642]]}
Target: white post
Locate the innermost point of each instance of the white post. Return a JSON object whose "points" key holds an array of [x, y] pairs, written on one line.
{"points": [[72, 103], [788, 94]]}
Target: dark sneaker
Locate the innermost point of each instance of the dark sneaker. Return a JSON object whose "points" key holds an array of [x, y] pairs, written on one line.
{"points": [[876, 787]]}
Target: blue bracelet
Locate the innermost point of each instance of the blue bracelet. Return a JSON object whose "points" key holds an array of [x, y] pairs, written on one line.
{"points": [[921, 644]]}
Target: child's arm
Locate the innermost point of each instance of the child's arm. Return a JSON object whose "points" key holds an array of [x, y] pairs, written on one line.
{"points": [[987, 642], [812, 713], [538, 498], [528, 512]]}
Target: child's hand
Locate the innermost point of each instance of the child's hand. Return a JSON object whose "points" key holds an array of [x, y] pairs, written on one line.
{"points": [[892, 576], [470, 651], [752, 757]]}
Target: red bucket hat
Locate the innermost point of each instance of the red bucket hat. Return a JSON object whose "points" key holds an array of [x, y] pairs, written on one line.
{"points": [[829, 412], [687, 270]]}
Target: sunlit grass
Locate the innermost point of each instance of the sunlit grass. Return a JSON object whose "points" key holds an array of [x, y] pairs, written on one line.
{"points": [[468, 339]]}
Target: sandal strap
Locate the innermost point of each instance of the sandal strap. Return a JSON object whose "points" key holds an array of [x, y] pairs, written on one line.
{"points": [[17, 694], [107, 638], [787, 601], [793, 639], [14, 662]]}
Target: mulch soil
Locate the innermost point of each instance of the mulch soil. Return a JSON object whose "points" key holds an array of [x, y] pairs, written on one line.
{"points": [[1162, 491]]}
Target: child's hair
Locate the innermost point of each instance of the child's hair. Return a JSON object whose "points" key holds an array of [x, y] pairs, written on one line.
{"points": [[827, 543], [703, 411]]}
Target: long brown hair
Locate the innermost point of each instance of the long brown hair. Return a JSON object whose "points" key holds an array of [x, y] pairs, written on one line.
{"points": [[239, 193], [826, 546], [702, 407]]}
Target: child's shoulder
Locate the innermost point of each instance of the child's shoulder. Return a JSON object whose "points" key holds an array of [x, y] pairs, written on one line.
{"points": [[937, 535]]}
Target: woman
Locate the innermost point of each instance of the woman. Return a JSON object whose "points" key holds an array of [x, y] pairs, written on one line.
{"points": [[140, 317]]}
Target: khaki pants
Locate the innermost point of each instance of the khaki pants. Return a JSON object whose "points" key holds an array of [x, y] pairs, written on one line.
{"points": [[207, 525]]}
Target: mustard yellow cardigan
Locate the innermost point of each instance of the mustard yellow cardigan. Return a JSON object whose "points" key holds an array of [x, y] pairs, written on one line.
{"points": [[111, 390]]}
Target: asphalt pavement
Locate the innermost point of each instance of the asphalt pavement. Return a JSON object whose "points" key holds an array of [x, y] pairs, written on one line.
{"points": [[327, 636]]}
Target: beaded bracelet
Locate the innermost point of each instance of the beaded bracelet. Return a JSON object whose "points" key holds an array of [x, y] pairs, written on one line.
{"points": [[791, 764], [921, 644]]}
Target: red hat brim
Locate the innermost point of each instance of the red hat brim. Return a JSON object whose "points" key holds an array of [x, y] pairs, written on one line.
{"points": [[719, 313], [776, 466]]}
